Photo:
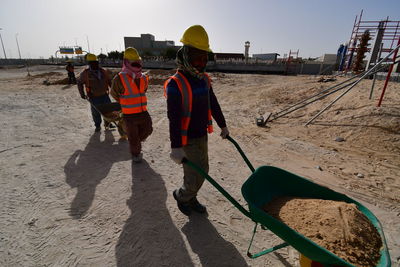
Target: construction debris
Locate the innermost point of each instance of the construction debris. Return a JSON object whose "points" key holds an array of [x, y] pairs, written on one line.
{"points": [[325, 80], [339, 139]]}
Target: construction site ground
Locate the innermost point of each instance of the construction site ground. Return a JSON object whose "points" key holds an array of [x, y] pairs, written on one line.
{"points": [[72, 197]]}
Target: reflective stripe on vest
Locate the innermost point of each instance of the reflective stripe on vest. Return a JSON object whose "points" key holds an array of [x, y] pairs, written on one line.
{"points": [[134, 99], [186, 93]]}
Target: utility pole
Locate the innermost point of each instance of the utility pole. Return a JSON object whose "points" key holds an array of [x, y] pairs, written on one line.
{"points": [[16, 39], [87, 39], [4, 51]]}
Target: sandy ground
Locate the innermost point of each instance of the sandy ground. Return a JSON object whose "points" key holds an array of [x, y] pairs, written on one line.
{"points": [[70, 197]]}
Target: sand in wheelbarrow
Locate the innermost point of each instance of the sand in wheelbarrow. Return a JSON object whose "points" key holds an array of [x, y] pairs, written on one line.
{"points": [[337, 226]]}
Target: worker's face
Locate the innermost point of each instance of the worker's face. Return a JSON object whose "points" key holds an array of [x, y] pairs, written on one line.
{"points": [[198, 58], [94, 65], [135, 64]]}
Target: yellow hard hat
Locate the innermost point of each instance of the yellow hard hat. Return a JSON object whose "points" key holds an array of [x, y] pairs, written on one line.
{"points": [[91, 57], [131, 54], [197, 37]]}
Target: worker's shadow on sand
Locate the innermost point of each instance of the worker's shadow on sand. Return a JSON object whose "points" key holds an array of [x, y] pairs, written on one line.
{"points": [[210, 247], [67, 86], [85, 169], [149, 236]]}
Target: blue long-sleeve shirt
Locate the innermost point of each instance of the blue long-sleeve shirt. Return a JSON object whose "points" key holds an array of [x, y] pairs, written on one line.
{"points": [[199, 115]]}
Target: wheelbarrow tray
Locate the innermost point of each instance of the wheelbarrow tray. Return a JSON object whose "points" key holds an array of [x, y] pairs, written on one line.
{"points": [[267, 183], [109, 111]]}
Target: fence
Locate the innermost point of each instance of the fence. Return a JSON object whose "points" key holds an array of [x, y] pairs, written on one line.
{"points": [[235, 66]]}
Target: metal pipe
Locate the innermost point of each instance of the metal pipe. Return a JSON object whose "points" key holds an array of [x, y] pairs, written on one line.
{"points": [[323, 91], [352, 86], [16, 39], [321, 97], [388, 75], [2, 44], [398, 23], [373, 82], [87, 39]]}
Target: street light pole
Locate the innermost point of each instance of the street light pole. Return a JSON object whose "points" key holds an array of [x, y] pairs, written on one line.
{"points": [[16, 39], [4, 51], [87, 39]]}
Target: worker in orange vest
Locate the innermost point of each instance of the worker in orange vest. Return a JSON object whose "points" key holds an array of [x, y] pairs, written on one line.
{"points": [[96, 82], [191, 105], [129, 89]]}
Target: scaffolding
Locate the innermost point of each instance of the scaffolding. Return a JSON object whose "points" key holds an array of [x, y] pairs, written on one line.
{"points": [[386, 39], [346, 85], [385, 31], [292, 57]]}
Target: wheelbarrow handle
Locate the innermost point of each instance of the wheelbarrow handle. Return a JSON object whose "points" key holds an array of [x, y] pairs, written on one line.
{"points": [[217, 186], [241, 152]]}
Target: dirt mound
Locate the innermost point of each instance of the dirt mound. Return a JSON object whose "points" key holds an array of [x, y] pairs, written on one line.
{"points": [[337, 226], [158, 77], [61, 81], [51, 77], [162, 72], [46, 74]]}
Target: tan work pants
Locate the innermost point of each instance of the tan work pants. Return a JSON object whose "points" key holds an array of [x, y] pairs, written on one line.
{"points": [[197, 152]]}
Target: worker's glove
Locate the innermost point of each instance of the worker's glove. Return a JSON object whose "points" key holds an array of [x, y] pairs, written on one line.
{"points": [[177, 155], [83, 96], [224, 132]]}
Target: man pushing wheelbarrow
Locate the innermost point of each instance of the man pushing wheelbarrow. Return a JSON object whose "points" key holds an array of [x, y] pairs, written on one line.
{"points": [[96, 82], [191, 105]]}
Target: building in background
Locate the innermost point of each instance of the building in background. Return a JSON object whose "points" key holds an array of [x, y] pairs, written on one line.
{"points": [[148, 46], [228, 56], [327, 58], [267, 56]]}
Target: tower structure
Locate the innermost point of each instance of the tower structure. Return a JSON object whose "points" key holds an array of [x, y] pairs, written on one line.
{"points": [[246, 51]]}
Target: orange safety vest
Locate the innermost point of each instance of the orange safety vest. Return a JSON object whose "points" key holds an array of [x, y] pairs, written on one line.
{"points": [[186, 93], [87, 83], [134, 99]]}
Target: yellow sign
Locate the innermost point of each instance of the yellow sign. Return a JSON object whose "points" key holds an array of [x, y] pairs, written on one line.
{"points": [[78, 50]]}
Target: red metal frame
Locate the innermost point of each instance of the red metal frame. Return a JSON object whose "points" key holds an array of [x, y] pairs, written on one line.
{"points": [[388, 75], [391, 34], [289, 59]]}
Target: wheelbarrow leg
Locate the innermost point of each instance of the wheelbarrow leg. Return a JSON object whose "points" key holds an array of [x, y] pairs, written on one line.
{"points": [[256, 255]]}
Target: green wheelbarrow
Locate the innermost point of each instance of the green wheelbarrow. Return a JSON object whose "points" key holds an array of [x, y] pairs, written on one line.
{"points": [[268, 182]]}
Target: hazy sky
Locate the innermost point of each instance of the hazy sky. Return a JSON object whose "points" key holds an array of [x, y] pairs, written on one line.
{"points": [[312, 26]]}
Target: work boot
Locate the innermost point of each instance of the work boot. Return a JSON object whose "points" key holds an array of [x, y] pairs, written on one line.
{"points": [[98, 128], [197, 206], [138, 158], [182, 206]]}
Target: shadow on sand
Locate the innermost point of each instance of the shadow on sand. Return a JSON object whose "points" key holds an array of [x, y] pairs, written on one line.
{"points": [[149, 236], [85, 169], [210, 247]]}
